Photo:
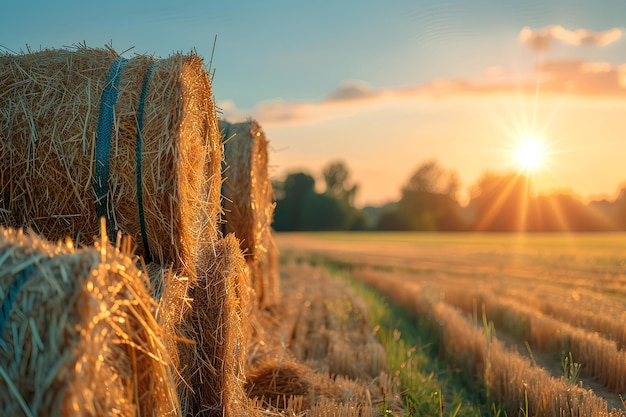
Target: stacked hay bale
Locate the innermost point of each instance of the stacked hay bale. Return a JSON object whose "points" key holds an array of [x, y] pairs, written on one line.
{"points": [[248, 204], [88, 134], [77, 333], [208, 326]]}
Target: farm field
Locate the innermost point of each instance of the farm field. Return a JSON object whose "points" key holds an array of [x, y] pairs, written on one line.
{"points": [[537, 321]]}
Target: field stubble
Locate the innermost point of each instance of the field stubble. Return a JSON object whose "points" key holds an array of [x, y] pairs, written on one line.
{"points": [[560, 295], [315, 354]]}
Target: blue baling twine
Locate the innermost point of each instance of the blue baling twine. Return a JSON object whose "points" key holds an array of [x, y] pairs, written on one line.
{"points": [[224, 166], [142, 220], [8, 301], [103, 144]]}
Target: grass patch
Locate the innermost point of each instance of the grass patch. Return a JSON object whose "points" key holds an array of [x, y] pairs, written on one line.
{"points": [[427, 385]]}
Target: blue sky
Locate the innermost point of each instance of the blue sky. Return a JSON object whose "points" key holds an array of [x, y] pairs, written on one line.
{"points": [[290, 57], [303, 50]]}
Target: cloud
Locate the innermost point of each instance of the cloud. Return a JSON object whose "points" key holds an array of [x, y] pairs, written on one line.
{"points": [[281, 111], [570, 77], [274, 111], [583, 78], [541, 39], [352, 90], [563, 77], [227, 109]]}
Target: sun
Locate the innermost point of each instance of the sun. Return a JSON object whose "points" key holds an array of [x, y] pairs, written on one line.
{"points": [[530, 154]]}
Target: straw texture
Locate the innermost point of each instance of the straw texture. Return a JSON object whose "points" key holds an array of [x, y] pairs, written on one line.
{"points": [[205, 321], [80, 338], [49, 110], [248, 204]]}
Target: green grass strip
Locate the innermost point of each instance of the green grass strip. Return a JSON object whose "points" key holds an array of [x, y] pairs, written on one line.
{"points": [[427, 386]]}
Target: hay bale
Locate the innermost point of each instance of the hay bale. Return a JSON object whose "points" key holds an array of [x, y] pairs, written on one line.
{"points": [[205, 320], [77, 333], [174, 305], [248, 204], [53, 151], [271, 380]]}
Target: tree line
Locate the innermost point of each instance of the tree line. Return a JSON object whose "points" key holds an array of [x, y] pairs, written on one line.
{"points": [[499, 202], [300, 207]]}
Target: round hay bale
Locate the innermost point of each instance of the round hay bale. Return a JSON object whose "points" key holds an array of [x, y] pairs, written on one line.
{"points": [[206, 324], [248, 204], [77, 333], [57, 110]]}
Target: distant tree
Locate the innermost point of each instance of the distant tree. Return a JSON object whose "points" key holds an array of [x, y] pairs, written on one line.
{"points": [[563, 212], [431, 177], [503, 202], [500, 202], [613, 213], [428, 202], [323, 212], [358, 220], [294, 191], [619, 212], [299, 207], [393, 219], [336, 176]]}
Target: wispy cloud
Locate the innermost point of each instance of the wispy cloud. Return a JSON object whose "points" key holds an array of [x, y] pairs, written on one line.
{"points": [[555, 77], [541, 39], [583, 78], [350, 99], [352, 90]]}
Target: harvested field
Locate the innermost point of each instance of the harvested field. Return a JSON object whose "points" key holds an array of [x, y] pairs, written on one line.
{"points": [[534, 324], [538, 319], [302, 359]]}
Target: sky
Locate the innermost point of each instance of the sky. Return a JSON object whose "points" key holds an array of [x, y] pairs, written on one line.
{"points": [[387, 86]]}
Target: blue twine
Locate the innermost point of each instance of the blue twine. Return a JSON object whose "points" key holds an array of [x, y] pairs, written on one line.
{"points": [[103, 145], [14, 290], [224, 166], [142, 220]]}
